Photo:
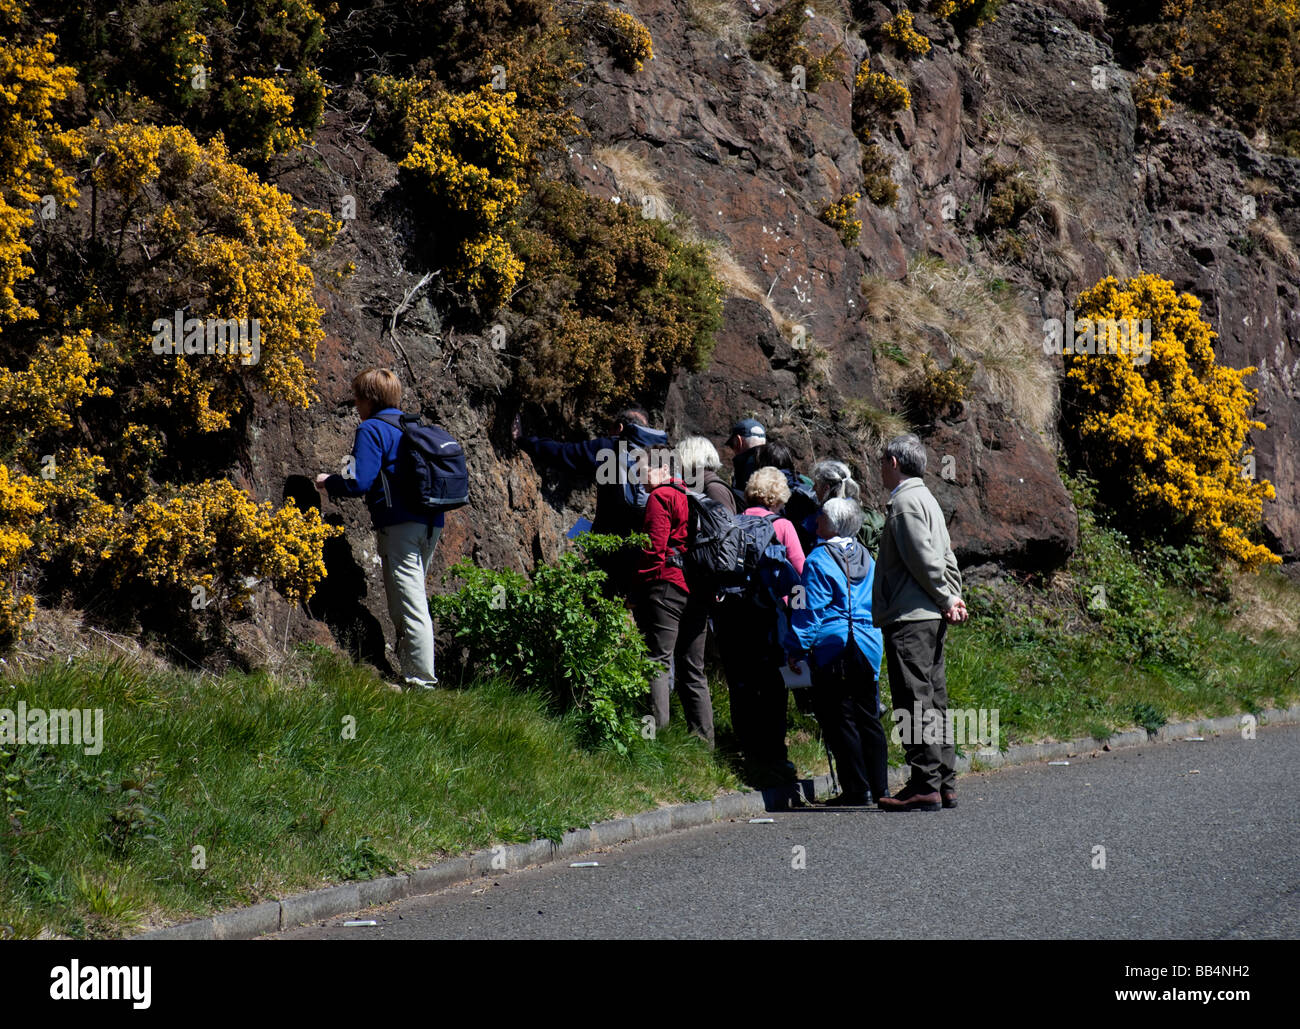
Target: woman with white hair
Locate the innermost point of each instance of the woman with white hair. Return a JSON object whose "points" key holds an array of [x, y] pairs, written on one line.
{"points": [[832, 629], [699, 462], [830, 479]]}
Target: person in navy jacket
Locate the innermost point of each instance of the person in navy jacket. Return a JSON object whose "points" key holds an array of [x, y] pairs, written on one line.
{"points": [[405, 540], [585, 460], [832, 628]]}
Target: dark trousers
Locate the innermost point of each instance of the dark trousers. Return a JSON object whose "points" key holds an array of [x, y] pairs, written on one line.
{"points": [[914, 653], [847, 705], [759, 699], [674, 624]]}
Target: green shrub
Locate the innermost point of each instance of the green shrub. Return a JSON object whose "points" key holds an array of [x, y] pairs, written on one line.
{"points": [[1147, 715], [246, 70], [618, 302], [558, 635], [878, 183], [1011, 195], [1122, 594], [781, 44]]}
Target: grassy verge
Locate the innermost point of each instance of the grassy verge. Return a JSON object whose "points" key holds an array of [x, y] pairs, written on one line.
{"points": [[260, 773], [212, 793], [1125, 636]]}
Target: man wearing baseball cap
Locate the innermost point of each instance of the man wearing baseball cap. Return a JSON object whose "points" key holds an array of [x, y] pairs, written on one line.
{"points": [[746, 434]]}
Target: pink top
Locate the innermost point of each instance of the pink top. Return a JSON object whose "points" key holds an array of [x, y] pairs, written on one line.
{"points": [[786, 534]]}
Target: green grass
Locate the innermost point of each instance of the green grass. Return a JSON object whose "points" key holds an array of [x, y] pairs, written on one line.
{"points": [[1125, 637], [257, 772]]}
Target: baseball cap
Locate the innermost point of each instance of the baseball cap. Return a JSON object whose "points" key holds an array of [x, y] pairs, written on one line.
{"points": [[748, 427]]}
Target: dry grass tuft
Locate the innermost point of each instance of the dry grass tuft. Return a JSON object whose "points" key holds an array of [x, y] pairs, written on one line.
{"points": [[636, 178], [874, 426], [1264, 602], [984, 322], [739, 282], [724, 20], [1275, 240]]}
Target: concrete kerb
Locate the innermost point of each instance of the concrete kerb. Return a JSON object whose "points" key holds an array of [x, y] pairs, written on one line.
{"points": [[313, 906]]}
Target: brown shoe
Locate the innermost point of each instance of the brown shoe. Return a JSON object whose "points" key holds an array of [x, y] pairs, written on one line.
{"points": [[910, 799], [949, 798]]}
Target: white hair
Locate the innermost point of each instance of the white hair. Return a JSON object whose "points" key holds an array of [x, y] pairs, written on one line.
{"points": [[837, 477], [697, 455], [844, 516]]}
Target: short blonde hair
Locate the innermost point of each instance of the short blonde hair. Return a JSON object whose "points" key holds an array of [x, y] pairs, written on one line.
{"points": [[768, 488], [379, 387]]}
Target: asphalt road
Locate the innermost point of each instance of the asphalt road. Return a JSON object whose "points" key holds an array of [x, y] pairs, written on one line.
{"points": [[1202, 841]]}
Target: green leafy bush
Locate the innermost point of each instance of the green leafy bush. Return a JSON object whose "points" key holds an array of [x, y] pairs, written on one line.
{"points": [[618, 302], [558, 635], [1125, 596], [781, 43], [878, 183]]}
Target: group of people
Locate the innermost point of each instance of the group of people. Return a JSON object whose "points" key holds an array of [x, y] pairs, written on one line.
{"points": [[847, 610]]}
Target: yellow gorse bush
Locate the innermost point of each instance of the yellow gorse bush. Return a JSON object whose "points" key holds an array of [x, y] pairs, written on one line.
{"points": [[974, 12], [59, 376], [466, 153], [233, 240], [840, 217], [899, 30], [268, 107], [177, 223], [19, 507], [212, 535], [1240, 58], [1172, 431], [627, 38], [877, 93], [31, 83]]}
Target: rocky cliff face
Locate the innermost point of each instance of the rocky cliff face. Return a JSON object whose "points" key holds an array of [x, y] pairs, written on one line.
{"points": [[749, 162]]}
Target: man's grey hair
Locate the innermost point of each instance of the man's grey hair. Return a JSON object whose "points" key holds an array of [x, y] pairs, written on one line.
{"points": [[837, 477], [844, 516], [909, 451], [697, 455]]}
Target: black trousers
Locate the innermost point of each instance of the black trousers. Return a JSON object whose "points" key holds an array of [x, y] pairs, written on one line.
{"points": [[759, 698], [847, 705]]}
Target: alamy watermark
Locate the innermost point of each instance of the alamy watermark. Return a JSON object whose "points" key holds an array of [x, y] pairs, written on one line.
{"points": [[1118, 337], [75, 727], [964, 726], [624, 464], [181, 335]]}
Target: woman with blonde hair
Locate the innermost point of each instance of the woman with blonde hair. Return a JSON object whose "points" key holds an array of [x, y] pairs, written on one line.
{"points": [[750, 628]]}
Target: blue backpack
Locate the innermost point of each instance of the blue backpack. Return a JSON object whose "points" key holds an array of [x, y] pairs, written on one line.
{"points": [[431, 472]]}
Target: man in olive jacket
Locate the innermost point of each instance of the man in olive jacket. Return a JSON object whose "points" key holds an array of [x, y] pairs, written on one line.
{"points": [[917, 592]]}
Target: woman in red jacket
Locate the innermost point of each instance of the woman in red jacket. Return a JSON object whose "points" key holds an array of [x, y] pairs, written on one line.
{"points": [[672, 619]]}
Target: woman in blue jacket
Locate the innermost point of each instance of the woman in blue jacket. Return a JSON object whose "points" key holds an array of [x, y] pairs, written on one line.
{"points": [[831, 627], [404, 539]]}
